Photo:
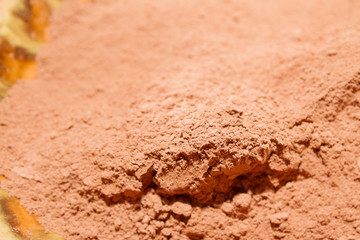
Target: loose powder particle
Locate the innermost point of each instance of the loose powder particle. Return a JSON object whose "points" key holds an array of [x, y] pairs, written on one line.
{"points": [[191, 120]]}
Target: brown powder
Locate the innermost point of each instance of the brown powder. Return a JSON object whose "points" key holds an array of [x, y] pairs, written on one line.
{"points": [[191, 119]]}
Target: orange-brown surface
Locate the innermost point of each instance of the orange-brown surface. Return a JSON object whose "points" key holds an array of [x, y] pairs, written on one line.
{"points": [[191, 120]]}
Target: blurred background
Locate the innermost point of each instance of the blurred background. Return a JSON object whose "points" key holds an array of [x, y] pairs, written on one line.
{"points": [[23, 25], [23, 30]]}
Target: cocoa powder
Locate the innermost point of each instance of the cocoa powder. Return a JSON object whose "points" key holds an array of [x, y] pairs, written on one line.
{"points": [[191, 120]]}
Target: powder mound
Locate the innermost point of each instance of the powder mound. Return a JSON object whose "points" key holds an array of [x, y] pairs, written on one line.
{"points": [[183, 144], [337, 100], [229, 120]]}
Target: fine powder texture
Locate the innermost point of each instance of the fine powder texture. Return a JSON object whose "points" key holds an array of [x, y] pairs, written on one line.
{"points": [[191, 120]]}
